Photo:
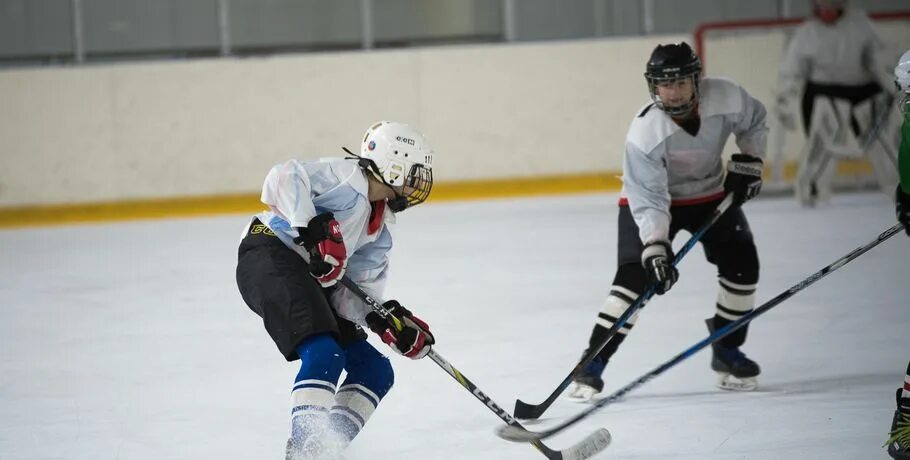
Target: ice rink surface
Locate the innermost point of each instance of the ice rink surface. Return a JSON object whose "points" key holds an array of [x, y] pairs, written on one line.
{"points": [[130, 341]]}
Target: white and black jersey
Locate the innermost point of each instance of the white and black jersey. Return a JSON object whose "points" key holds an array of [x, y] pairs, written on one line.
{"points": [[665, 164]]}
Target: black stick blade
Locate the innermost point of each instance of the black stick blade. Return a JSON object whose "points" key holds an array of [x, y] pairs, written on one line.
{"points": [[527, 411]]}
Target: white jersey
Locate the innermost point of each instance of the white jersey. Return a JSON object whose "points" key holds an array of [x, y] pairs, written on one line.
{"points": [[295, 192], [664, 164], [843, 53]]}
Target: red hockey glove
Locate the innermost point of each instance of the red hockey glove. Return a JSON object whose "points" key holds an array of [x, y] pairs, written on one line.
{"points": [[657, 258], [322, 240], [414, 340], [743, 177]]}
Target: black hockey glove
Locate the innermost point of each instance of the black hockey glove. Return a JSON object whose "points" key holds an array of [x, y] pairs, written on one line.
{"points": [[322, 240], [743, 177], [414, 340], [902, 207], [657, 259]]}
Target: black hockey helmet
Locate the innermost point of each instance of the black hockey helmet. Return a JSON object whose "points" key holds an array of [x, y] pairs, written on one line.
{"points": [[672, 62]]}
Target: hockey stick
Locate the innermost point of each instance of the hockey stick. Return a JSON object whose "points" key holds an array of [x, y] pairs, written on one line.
{"points": [[586, 448], [524, 410], [516, 434]]}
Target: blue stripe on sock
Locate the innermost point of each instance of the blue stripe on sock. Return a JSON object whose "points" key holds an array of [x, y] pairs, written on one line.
{"points": [[308, 407], [350, 412], [344, 425], [366, 395], [322, 386]]}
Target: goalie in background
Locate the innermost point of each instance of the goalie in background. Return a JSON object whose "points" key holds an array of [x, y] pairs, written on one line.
{"points": [[832, 67], [899, 442]]}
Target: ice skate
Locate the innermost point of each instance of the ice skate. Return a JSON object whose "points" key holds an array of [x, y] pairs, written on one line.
{"points": [[313, 439], [312, 449], [735, 371], [899, 440], [584, 387]]}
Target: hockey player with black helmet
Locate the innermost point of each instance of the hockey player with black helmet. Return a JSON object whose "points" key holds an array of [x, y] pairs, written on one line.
{"points": [[325, 219], [673, 179]]}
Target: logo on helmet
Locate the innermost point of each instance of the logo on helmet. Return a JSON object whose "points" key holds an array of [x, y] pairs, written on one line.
{"points": [[405, 140], [371, 146]]}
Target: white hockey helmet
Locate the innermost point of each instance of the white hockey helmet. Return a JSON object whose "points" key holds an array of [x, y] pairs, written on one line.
{"points": [[400, 157], [902, 81]]}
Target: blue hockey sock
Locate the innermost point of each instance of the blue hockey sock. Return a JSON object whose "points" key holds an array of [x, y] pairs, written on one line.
{"points": [[321, 362], [369, 378]]}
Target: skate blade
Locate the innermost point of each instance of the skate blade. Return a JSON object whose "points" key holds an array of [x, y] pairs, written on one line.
{"points": [[730, 382], [580, 393]]}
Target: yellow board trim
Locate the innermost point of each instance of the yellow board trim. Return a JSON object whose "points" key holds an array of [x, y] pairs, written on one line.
{"points": [[160, 208]]}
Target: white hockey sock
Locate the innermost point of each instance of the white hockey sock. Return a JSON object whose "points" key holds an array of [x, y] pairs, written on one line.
{"points": [[734, 300], [311, 400], [354, 404], [614, 306]]}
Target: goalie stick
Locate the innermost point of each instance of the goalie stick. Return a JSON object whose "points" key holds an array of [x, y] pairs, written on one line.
{"points": [[524, 410], [586, 448], [516, 434]]}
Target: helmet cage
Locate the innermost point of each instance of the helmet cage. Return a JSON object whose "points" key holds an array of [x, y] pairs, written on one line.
{"points": [[418, 184], [655, 79]]}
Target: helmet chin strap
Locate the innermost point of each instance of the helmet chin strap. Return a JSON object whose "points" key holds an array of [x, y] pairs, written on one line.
{"points": [[399, 202]]}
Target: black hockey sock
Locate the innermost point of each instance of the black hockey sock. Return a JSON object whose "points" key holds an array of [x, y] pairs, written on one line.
{"points": [[597, 336], [734, 340]]}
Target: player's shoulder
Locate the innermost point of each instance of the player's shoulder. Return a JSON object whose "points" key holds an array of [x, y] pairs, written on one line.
{"points": [[720, 96], [859, 20], [649, 128], [326, 174], [858, 16]]}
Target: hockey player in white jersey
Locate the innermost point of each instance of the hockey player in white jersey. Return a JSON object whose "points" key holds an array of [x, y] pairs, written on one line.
{"points": [[673, 179], [325, 219], [831, 71]]}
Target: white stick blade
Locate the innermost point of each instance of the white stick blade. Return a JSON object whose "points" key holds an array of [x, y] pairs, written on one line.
{"points": [[594, 444], [516, 434]]}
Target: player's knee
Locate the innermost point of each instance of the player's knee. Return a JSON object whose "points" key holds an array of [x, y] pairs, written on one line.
{"points": [[368, 367], [631, 277], [320, 358], [738, 279], [739, 263], [628, 284]]}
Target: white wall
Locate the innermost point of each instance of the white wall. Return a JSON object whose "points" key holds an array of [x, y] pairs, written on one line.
{"points": [[215, 126]]}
